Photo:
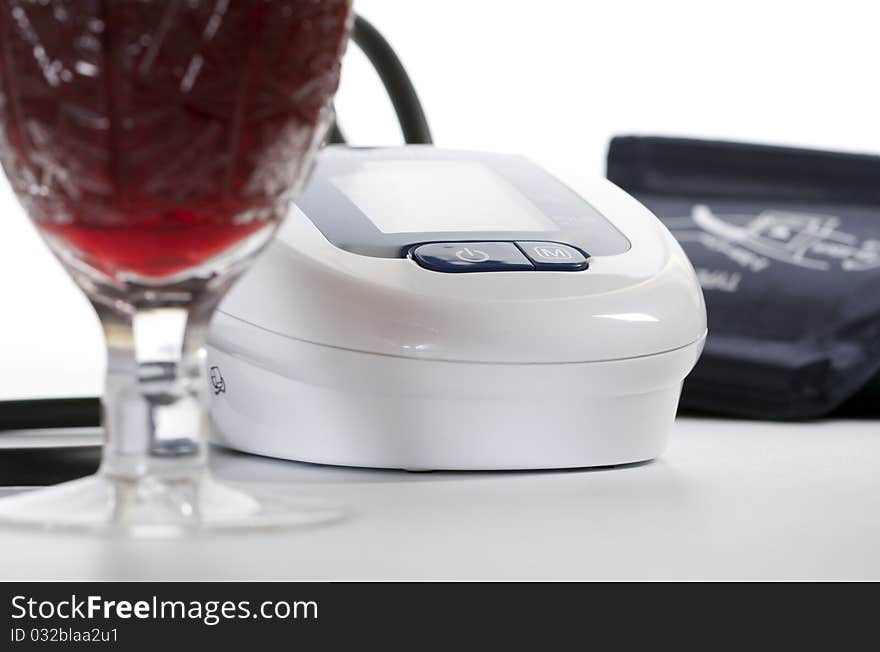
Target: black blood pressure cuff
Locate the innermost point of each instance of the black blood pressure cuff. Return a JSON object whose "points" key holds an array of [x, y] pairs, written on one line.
{"points": [[786, 244]]}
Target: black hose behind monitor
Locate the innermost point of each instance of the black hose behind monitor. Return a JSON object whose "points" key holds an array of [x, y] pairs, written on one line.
{"points": [[397, 83]]}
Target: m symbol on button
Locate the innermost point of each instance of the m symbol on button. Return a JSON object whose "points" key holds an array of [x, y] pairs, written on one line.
{"points": [[553, 253]]}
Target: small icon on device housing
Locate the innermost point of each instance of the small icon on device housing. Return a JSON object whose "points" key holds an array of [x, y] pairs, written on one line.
{"points": [[218, 384]]}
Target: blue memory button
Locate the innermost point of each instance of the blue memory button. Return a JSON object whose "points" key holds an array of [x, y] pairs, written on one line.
{"points": [[471, 257], [553, 256]]}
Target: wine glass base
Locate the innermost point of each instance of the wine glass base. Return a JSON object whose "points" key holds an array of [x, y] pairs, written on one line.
{"points": [[155, 507]]}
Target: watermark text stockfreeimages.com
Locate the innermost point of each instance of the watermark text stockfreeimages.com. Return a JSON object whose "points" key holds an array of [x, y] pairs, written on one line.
{"points": [[209, 612]]}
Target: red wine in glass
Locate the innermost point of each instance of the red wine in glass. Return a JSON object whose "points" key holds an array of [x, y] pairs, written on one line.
{"points": [[156, 144], [161, 133]]}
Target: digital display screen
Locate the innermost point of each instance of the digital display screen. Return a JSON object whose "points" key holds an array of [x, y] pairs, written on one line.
{"points": [[420, 196]]}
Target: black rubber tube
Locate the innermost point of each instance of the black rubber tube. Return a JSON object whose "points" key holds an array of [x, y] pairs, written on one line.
{"points": [[50, 413], [397, 83], [336, 135]]}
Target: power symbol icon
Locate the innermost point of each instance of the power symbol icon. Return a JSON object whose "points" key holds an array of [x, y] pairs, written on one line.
{"points": [[469, 255]]}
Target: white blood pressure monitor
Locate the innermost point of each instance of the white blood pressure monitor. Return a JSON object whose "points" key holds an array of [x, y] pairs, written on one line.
{"points": [[431, 309]]}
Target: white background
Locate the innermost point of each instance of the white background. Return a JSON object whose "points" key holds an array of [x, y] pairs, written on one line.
{"points": [[553, 80]]}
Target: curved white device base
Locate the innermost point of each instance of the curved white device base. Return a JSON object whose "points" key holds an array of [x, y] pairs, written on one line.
{"points": [[359, 409]]}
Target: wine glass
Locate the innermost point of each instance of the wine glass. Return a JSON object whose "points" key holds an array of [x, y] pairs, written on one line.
{"points": [[156, 145]]}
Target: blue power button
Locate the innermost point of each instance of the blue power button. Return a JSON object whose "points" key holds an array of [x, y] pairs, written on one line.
{"points": [[471, 257]]}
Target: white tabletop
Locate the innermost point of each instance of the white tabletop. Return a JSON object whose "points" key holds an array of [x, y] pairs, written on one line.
{"points": [[730, 499]]}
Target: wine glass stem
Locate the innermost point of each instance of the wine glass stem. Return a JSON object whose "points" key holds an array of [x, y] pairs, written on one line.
{"points": [[154, 405]]}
